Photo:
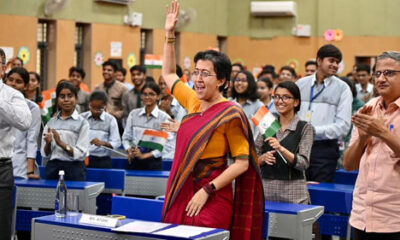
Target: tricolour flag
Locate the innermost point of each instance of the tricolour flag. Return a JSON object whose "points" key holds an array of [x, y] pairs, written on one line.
{"points": [[266, 122], [153, 61], [46, 105], [153, 139]]}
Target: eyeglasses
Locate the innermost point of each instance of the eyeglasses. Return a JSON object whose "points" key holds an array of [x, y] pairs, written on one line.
{"points": [[240, 80], [149, 94], [386, 73], [283, 98], [98, 109], [202, 74]]}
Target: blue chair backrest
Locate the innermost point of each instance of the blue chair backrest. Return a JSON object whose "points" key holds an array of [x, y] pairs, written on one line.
{"points": [[112, 178], [138, 208]]}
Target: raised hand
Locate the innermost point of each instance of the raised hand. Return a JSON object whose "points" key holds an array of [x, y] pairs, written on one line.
{"points": [[172, 16]]}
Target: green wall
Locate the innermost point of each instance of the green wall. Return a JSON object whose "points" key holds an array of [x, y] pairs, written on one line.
{"points": [[232, 17], [210, 16]]}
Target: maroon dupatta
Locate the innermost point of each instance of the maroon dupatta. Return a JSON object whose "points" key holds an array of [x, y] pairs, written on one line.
{"points": [[192, 138]]}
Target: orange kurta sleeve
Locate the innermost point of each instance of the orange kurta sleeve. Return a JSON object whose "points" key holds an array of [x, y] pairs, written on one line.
{"points": [[186, 97]]}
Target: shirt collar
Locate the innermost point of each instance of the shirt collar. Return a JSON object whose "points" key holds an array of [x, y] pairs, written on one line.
{"points": [[381, 104], [154, 113], [74, 115], [174, 102], [102, 115], [293, 124], [326, 81]]}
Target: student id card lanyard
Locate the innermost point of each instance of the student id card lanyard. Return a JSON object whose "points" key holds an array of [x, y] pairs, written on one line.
{"points": [[312, 98]]}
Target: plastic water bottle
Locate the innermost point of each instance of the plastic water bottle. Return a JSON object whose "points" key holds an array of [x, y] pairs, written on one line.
{"points": [[61, 197]]}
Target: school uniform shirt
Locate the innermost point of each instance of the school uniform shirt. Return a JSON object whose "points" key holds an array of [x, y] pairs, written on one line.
{"points": [[137, 122], [25, 144], [105, 129], [131, 100], [376, 197], [177, 109], [73, 131], [330, 109], [83, 101], [361, 93], [14, 114], [114, 91], [250, 108]]}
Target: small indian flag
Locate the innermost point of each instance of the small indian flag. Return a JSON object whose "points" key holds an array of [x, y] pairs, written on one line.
{"points": [[153, 139], [266, 122], [46, 105], [153, 61]]}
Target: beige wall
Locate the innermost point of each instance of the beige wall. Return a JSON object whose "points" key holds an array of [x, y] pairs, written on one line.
{"points": [[102, 36], [19, 31]]}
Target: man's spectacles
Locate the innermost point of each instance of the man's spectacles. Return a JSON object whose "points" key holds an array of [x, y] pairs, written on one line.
{"points": [[386, 73], [202, 74], [283, 98]]}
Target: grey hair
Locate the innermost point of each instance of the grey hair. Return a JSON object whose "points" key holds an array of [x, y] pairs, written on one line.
{"points": [[390, 54]]}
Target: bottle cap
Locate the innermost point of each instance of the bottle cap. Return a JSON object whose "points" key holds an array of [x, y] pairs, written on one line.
{"points": [[61, 172]]}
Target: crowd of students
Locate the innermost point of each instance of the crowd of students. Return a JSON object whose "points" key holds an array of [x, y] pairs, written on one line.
{"points": [[314, 112]]}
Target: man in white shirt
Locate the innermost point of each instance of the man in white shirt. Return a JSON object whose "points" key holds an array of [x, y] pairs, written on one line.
{"points": [[326, 103], [14, 114]]}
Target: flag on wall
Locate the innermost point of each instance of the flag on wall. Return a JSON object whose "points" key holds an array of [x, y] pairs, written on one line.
{"points": [[153, 139], [153, 61], [266, 122]]}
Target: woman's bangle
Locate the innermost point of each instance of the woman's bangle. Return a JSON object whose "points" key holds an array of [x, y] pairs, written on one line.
{"points": [[29, 173], [209, 189], [170, 40]]}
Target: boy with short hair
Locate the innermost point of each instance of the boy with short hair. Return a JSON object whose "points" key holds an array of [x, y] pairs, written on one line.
{"points": [[103, 131]]}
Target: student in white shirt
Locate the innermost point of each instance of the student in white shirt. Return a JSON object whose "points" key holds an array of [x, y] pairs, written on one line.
{"points": [[65, 143], [25, 144], [103, 131], [140, 119]]}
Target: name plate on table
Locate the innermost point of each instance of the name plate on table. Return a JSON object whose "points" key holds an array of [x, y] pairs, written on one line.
{"points": [[98, 220]]}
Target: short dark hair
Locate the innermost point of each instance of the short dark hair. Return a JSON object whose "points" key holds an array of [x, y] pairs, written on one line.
{"points": [[153, 86], [110, 63], [267, 81], [351, 85], [179, 71], [65, 84], [139, 68], [221, 62], [122, 70], [293, 89], [311, 62], [268, 70], [363, 67], [99, 95], [290, 69], [251, 92], [329, 50], [22, 72], [78, 70], [238, 65], [2, 56]]}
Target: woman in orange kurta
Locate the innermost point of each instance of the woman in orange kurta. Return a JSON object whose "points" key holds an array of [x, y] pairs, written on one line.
{"points": [[199, 189]]}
